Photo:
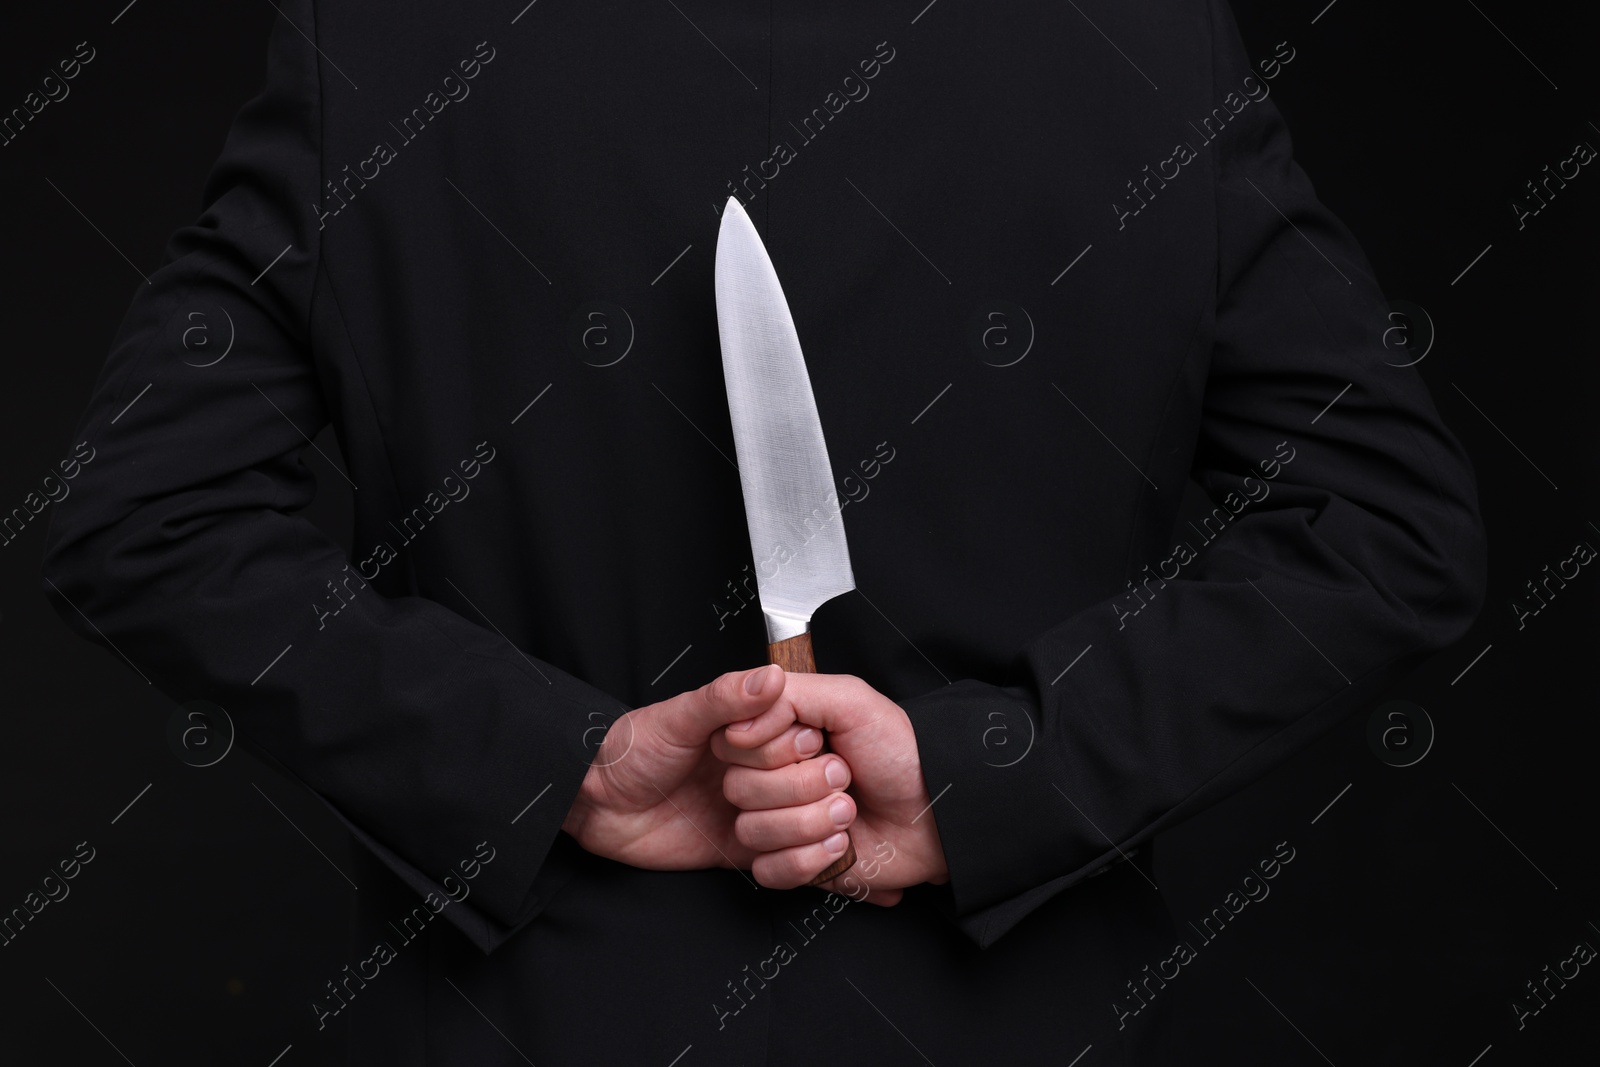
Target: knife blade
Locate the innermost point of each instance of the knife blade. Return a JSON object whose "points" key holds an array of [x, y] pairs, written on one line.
{"points": [[793, 512]]}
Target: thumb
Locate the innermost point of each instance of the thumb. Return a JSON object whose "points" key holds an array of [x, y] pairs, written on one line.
{"points": [[689, 719], [836, 703]]}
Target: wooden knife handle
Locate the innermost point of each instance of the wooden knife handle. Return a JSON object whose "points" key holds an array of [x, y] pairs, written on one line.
{"points": [[795, 656]]}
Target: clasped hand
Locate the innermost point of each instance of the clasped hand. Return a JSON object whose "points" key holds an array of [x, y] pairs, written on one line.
{"points": [[730, 775]]}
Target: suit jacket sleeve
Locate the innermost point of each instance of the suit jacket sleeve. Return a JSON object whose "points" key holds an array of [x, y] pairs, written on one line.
{"points": [[1364, 554], [180, 549]]}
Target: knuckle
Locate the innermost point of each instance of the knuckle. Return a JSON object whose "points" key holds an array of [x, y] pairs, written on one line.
{"points": [[721, 689], [773, 755], [802, 826], [789, 868], [774, 872], [782, 830], [856, 688], [802, 787], [747, 831]]}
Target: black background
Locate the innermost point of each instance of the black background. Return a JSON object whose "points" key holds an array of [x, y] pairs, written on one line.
{"points": [[1417, 905]]}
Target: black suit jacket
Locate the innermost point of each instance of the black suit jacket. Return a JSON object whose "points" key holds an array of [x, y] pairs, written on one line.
{"points": [[1046, 271]]}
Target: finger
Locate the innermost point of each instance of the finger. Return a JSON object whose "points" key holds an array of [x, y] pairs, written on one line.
{"points": [[791, 867], [785, 787], [803, 824], [797, 742], [753, 733], [689, 719]]}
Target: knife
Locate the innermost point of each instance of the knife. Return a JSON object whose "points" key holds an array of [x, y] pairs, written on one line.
{"points": [[790, 505]]}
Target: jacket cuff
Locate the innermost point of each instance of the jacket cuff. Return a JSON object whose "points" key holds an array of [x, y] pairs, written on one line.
{"points": [[463, 912], [509, 867], [1012, 837]]}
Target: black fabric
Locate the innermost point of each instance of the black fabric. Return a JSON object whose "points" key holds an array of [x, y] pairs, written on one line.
{"points": [[564, 527]]}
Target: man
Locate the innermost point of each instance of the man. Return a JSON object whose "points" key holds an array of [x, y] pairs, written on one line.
{"points": [[1048, 264]]}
